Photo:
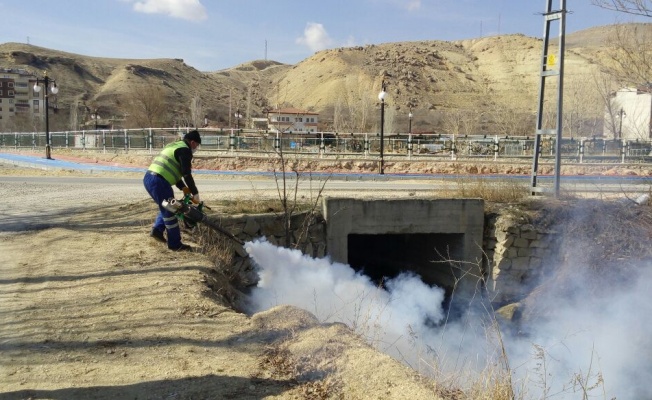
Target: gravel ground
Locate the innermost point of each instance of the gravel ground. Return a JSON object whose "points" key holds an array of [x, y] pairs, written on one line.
{"points": [[94, 308]]}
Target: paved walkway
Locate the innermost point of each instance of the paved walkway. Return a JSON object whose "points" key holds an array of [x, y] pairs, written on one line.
{"points": [[33, 161]]}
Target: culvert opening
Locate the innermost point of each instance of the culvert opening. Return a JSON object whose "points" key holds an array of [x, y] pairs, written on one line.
{"points": [[430, 255]]}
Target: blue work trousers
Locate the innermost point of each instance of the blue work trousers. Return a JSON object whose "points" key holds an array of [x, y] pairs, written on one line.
{"points": [[159, 189]]}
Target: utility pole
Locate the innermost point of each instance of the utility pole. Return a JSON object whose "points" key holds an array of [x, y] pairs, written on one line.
{"points": [[548, 64]]}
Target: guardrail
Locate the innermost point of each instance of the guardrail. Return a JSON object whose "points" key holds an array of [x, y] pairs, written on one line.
{"points": [[354, 145]]}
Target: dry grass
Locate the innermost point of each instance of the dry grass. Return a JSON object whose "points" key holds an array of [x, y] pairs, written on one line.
{"points": [[254, 206], [493, 384], [491, 190], [279, 362], [602, 245]]}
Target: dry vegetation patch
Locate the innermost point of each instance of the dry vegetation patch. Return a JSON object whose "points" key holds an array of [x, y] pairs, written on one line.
{"points": [[603, 246]]}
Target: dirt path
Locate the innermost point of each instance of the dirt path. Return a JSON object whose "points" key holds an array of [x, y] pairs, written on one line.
{"points": [[91, 308]]}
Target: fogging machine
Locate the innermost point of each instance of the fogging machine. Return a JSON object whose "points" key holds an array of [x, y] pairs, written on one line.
{"points": [[193, 214]]}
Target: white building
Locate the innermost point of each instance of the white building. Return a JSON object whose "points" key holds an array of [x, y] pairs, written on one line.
{"points": [[292, 120], [629, 115]]}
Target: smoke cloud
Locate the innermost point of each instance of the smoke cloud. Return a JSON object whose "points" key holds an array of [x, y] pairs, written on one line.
{"points": [[597, 344]]}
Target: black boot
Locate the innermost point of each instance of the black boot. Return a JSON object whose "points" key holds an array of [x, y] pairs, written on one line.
{"points": [[158, 235]]}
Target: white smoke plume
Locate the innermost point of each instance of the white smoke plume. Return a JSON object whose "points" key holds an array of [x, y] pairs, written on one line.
{"points": [[601, 347]]}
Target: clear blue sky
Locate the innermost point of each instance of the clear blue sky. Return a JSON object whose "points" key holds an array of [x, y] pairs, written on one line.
{"points": [[216, 34]]}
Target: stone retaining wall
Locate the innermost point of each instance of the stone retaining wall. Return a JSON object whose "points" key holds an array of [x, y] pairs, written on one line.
{"points": [[307, 233], [516, 254], [307, 230]]}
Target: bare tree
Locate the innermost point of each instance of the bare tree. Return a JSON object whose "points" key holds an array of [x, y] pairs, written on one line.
{"points": [[631, 54], [247, 116], [353, 107], [24, 123], [196, 112], [509, 121], [339, 122], [461, 122], [606, 86], [452, 121], [390, 118], [365, 108], [146, 107], [74, 115], [635, 7], [583, 107], [470, 122]]}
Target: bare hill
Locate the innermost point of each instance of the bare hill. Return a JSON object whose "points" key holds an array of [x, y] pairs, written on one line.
{"points": [[484, 75]]}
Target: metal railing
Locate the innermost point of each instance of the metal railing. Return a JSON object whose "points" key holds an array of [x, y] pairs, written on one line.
{"points": [[331, 144]]}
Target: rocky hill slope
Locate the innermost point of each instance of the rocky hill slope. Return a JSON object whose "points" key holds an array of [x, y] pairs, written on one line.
{"points": [[431, 78]]}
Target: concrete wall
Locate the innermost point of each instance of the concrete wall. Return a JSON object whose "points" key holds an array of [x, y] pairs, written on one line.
{"points": [[412, 216]]}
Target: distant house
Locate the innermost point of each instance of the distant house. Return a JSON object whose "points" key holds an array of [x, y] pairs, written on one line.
{"points": [[292, 120], [17, 95], [259, 123], [629, 115]]}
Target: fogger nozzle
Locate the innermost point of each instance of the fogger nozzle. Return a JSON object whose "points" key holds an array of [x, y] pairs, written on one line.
{"points": [[191, 213], [179, 207], [172, 205]]}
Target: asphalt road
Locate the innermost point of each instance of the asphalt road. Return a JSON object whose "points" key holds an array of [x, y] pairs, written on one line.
{"points": [[96, 184]]}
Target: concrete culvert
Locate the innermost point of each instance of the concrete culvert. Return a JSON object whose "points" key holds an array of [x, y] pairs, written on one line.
{"points": [[437, 239], [428, 255]]}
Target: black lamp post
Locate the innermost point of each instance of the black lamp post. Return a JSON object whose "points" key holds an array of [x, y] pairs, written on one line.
{"points": [[52, 85], [381, 97], [95, 116], [621, 115], [237, 119], [410, 122]]}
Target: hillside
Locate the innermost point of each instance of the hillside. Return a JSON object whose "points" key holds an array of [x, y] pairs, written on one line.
{"points": [[486, 75]]}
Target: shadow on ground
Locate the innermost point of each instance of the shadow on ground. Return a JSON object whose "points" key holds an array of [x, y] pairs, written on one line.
{"points": [[203, 387]]}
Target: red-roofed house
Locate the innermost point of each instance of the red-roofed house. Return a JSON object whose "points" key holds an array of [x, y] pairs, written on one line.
{"points": [[292, 120]]}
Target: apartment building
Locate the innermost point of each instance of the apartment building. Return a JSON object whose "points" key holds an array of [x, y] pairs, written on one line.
{"points": [[17, 95], [292, 120]]}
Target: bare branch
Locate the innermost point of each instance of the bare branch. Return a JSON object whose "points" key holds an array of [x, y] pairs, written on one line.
{"points": [[631, 57], [634, 7]]}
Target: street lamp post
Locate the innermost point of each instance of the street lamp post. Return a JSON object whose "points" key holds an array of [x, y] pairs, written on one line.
{"points": [[95, 117], [381, 97], [237, 119], [50, 84], [409, 144], [621, 115]]}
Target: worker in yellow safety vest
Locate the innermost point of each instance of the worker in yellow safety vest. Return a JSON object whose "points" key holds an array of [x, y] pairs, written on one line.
{"points": [[172, 167]]}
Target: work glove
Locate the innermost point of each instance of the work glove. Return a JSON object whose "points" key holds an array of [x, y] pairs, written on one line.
{"points": [[185, 190], [195, 198]]}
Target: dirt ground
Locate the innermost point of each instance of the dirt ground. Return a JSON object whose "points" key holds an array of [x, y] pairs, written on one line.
{"points": [[92, 308]]}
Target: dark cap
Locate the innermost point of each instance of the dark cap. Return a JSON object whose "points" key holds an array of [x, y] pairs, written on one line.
{"points": [[192, 135]]}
